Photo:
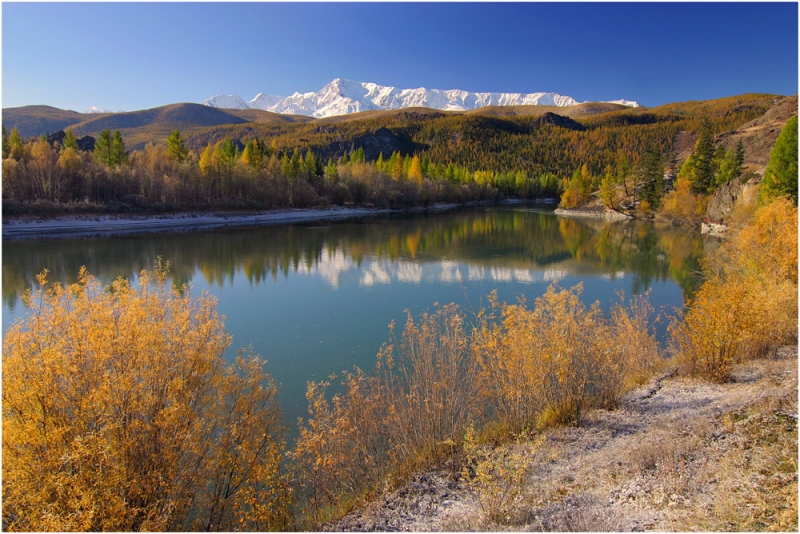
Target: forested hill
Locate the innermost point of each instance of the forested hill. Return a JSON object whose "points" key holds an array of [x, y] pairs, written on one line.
{"points": [[253, 158]]}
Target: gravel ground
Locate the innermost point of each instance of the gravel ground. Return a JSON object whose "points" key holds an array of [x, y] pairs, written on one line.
{"points": [[675, 454]]}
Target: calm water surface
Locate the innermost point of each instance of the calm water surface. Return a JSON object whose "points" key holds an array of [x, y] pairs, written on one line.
{"points": [[317, 299]]}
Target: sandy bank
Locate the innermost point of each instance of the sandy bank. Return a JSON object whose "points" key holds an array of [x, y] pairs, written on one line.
{"points": [[108, 225]]}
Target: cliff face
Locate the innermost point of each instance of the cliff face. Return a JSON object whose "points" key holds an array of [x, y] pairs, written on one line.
{"points": [[729, 196]]}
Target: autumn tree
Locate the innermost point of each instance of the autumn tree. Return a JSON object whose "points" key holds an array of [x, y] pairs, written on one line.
{"points": [[46, 172], [119, 413], [415, 170], [15, 145], [780, 177]]}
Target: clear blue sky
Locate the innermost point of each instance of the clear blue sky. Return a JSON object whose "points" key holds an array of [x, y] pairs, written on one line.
{"points": [[128, 56]]}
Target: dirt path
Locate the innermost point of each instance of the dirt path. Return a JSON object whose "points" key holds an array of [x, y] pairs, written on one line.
{"points": [[679, 454]]}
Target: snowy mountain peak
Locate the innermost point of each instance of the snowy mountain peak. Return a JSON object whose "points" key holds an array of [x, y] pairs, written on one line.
{"points": [[226, 101], [342, 97], [95, 109]]}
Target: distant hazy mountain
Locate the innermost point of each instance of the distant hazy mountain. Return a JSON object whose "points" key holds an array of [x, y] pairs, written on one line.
{"points": [[342, 97], [95, 109]]}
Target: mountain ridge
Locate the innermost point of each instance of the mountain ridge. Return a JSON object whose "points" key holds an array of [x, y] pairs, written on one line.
{"points": [[343, 97]]}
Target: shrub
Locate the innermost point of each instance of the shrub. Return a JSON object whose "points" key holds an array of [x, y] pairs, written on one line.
{"points": [[120, 414], [499, 477], [749, 302], [407, 415], [550, 364]]}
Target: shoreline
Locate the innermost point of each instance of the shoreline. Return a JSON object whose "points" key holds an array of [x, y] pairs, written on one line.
{"points": [[607, 214], [69, 226], [111, 225]]}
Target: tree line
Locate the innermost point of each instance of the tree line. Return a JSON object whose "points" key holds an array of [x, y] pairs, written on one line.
{"points": [[437, 157]]}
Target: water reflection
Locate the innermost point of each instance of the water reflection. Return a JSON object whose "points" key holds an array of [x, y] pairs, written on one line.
{"points": [[495, 245], [317, 299]]}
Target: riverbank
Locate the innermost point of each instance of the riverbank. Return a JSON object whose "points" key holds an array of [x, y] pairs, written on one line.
{"points": [[89, 225], [678, 455], [594, 212], [109, 225]]}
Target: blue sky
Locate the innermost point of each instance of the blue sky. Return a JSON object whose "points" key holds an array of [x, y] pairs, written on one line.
{"points": [[128, 56]]}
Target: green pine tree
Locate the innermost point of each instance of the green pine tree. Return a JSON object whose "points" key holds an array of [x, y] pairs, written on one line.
{"points": [[102, 149], [119, 154], [70, 141], [331, 172], [780, 177], [6, 145], [177, 149], [703, 161], [15, 144]]}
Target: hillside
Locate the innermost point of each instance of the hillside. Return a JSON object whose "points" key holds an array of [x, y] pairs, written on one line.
{"points": [[136, 127], [33, 121], [494, 138], [759, 135]]}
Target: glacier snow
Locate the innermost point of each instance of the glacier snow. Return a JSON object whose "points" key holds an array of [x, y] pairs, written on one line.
{"points": [[342, 97]]}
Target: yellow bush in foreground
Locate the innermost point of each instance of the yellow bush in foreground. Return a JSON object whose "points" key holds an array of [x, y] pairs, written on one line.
{"points": [[120, 414], [552, 363], [749, 302]]}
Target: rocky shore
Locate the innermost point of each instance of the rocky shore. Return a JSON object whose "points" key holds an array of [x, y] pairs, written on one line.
{"points": [[594, 212]]}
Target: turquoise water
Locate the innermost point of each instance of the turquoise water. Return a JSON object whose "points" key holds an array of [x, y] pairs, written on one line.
{"points": [[316, 299]]}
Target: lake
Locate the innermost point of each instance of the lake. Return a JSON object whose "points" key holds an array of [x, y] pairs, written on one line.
{"points": [[315, 299]]}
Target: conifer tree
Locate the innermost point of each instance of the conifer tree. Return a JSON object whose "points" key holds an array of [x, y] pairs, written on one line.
{"points": [[780, 177], [102, 149], [703, 172], [176, 147], [247, 157], [119, 154], [70, 141], [205, 159], [310, 164], [331, 172], [15, 144], [652, 178], [415, 170], [739, 156], [396, 166], [6, 146]]}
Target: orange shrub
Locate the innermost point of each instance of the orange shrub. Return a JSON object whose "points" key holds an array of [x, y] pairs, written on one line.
{"points": [[749, 302], [120, 414]]}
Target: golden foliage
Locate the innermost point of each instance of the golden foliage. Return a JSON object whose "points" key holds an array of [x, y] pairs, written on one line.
{"points": [[551, 363], [407, 415], [120, 414], [683, 205], [749, 302], [515, 368]]}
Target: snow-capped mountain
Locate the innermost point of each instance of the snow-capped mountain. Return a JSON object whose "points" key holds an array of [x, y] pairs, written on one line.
{"points": [[226, 101], [341, 97], [95, 109]]}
